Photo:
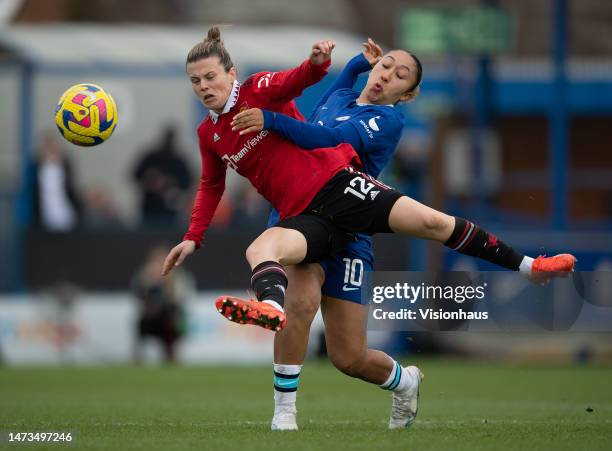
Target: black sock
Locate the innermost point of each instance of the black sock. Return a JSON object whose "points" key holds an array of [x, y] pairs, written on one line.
{"points": [[269, 282], [469, 239]]}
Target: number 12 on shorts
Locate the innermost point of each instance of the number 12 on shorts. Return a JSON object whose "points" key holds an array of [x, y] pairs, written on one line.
{"points": [[353, 273], [364, 187]]}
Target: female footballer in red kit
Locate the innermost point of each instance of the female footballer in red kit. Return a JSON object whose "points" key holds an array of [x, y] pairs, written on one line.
{"points": [[322, 197]]}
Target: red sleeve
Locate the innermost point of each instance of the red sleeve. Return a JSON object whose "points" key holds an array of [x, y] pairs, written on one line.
{"points": [[282, 87], [210, 190]]}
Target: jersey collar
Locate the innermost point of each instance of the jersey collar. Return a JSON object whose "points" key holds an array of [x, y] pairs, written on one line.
{"points": [[366, 104], [231, 101]]}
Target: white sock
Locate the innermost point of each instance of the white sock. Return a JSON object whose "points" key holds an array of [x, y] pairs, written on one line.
{"points": [[399, 379], [274, 304], [526, 264], [286, 398]]}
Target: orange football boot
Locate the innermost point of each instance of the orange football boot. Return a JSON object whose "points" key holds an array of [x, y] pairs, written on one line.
{"points": [[545, 268], [251, 312]]}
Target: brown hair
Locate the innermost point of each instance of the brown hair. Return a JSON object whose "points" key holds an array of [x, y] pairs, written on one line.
{"points": [[419, 74], [212, 45]]}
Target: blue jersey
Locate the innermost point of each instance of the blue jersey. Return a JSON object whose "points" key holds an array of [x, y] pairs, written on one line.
{"points": [[373, 131], [379, 127]]}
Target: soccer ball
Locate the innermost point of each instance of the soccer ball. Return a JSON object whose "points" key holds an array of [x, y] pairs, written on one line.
{"points": [[86, 115]]}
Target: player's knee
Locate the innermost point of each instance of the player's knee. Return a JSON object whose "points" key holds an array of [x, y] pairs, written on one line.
{"points": [[303, 307], [256, 253], [350, 364], [434, 222]]}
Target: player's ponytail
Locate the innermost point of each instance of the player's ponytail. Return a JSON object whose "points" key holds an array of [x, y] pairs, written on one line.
{"points": [[212, 45], [214, 34]]}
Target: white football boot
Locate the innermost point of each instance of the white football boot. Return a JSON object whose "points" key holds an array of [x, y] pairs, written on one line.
{"points": [[405, 402], [285, 418]]}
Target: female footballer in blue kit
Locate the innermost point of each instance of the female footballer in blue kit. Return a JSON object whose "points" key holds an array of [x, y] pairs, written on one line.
{"points": [[373, 127]]}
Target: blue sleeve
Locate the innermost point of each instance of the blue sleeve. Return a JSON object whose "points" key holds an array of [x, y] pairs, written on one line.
{"points": [[357, 65], [311, 136], [273, 218]]}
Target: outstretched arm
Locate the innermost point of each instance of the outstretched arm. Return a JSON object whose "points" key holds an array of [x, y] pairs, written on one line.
{"points": [[281, 87], [304, 134], [312, 136], [210, 190], [208, 195], [355, 131]]}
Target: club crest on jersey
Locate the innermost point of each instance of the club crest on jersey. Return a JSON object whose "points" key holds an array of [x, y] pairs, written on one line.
{"points": [[244, 107]]}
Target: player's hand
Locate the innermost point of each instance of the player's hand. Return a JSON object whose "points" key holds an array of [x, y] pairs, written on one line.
{"points": [[321, 52], [177, 255], [248, 121], [372, 52]]}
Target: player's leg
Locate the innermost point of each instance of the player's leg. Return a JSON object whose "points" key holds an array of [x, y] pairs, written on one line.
{"points": [[345, 327], [304, 238], [360, 203], [302, 301], [410, 217], [280, 245], [345, 334]]}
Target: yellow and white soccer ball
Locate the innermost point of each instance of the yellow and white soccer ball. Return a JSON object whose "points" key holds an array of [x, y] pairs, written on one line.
{"points": [[86, 115]]}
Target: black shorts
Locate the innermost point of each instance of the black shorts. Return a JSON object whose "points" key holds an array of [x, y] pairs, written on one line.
{"points": [[323, 238], [350, 203]]}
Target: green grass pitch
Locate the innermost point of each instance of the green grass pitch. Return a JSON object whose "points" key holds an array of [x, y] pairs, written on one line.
{"points": [[464, 405]]}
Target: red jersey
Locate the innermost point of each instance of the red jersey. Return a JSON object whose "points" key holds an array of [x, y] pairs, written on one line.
{"points": [[283, 173]]}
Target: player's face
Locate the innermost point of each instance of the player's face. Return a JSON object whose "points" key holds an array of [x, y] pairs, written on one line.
{"points": [[391, 78], [210, 82]]}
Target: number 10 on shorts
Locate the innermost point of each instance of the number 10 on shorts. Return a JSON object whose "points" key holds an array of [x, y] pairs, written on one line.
{"points": [[353, 273]]}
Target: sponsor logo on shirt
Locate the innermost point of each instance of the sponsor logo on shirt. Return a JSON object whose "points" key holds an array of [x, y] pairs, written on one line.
{"points": [[373, 125], [216, 138], [367, 129], [232, 160], [343, 118]]}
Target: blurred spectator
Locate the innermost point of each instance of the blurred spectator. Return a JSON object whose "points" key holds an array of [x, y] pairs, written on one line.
{"points": [[100, 210], [164, 179], [55, 203], [162, 314]]}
